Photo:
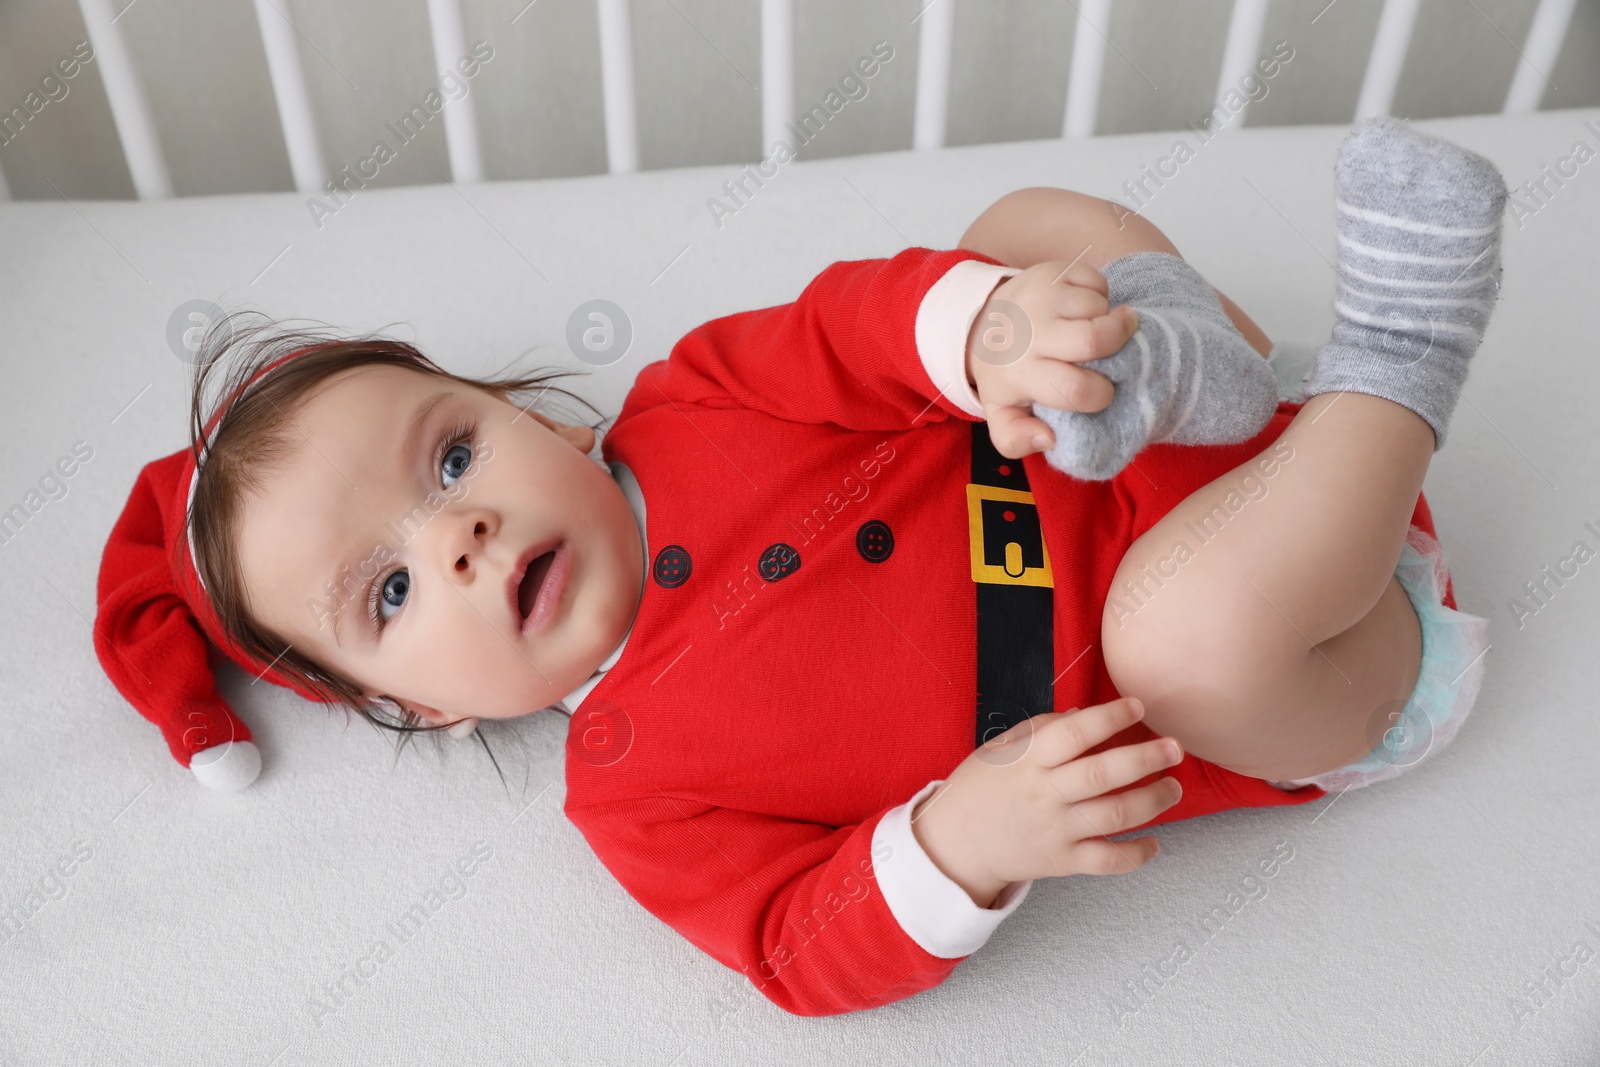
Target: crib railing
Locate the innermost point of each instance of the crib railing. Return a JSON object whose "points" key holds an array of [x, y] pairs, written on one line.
{"points": [[285, 47]]}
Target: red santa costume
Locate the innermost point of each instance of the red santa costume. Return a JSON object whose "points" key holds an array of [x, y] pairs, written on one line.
{"points": [[802, 666], [801, 670]]}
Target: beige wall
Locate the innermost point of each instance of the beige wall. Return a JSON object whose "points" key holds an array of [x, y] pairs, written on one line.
{"points": [[697, 78]]}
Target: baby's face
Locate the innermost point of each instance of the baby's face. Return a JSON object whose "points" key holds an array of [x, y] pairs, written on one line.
{"points": [[394, 554]]}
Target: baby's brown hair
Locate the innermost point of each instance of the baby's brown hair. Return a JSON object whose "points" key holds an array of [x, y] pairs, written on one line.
{"points": [[254, 437]]}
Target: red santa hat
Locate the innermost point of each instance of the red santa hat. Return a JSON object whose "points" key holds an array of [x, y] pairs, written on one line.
{"points": [[153, 621]]}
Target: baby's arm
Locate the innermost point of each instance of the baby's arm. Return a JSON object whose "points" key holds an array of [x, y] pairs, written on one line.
{"points": [[822, 921], [826, 920], [1043, 223], [874, 345]]}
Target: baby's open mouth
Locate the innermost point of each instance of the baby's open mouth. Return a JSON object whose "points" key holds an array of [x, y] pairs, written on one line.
{"points": [[528, 589]]}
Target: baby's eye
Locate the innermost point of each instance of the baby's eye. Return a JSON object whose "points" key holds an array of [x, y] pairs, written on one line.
{"points": [[395, 588], [455, 463]]}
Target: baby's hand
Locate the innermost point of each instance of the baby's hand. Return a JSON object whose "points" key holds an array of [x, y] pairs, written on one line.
{"points": [[1029, 804], [1024, 342]]}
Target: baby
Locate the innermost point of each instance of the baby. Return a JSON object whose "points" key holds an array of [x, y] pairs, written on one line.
{"points": [[815, 611]]}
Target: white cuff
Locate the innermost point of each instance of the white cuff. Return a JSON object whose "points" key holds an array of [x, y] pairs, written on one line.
{"points": [[943, 321], [932, 909]]}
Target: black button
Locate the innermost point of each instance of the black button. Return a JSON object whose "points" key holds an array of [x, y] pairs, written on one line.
{"points": [[672, 567], [778, 561], [874, 541]]}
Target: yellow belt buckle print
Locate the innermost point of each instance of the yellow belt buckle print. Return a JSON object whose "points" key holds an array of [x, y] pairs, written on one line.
{"points": [[1014, 553]]}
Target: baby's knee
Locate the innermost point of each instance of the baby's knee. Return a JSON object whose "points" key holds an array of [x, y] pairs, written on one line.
{"points": [[1201, 674], [1165, 619], [1039, 223]]}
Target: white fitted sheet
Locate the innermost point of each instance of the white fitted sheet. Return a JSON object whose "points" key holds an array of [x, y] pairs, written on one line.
{"points": [[202, 928]]}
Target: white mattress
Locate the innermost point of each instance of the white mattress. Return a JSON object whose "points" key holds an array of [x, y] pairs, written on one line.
{"points": [[201, 928]]}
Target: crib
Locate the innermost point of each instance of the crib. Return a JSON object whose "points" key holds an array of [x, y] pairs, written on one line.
{"points": [[587, 150], [190, 99]]}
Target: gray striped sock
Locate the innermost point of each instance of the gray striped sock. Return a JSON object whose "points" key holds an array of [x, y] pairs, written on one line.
{"points": [[1419, 269], [1186, 376]]}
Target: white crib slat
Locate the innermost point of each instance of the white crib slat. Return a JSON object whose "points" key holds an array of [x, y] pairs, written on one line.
{"points": [[616, 80], [777, 71], [292, 96], [460, 116], [1088, 64], [1388, 57], [934, 42], [130, 110], [1239, 56], [1539, 53]]}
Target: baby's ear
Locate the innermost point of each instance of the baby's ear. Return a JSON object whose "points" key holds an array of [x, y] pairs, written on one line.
{"points": [[458, 728], [580, 437], [397, 709], [432, 715]]}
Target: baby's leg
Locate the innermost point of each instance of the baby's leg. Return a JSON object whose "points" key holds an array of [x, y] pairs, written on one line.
{"points": [[1381, 651], [1285, 632], [1284, 635]]}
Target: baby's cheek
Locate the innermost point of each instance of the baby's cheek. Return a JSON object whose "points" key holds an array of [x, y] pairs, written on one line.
{"points": [[463, 662], [494, 671]]}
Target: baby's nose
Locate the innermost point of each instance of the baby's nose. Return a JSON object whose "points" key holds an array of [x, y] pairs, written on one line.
{"points": [[478, 530]]}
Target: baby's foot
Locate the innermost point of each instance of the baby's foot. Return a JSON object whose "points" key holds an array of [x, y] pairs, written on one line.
{"points": [[1186, 376], [1419, 268]]}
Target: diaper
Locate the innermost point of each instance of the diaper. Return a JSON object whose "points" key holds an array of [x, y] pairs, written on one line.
{"points": [[1453, 646], [1292, 363]]}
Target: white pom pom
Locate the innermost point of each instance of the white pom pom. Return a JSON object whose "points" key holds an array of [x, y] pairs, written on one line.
{"points": [[227, 768]]}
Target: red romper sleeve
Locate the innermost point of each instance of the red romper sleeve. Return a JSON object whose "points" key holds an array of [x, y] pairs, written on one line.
{"points": [[883, 341], [797, 907]]}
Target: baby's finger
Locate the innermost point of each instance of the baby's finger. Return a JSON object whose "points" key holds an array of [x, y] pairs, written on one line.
{"points": [[1127, 810], [1084, 276], [1073, 302], [1070, 734], [1092, 776], [1099, 856], [1066, 386], [1078, 340], [1015, 430]]}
